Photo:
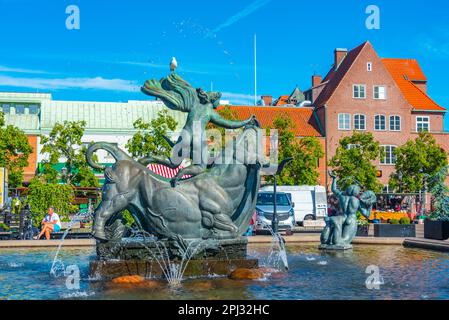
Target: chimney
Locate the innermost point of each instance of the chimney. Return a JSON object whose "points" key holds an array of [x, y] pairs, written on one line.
{"points": [[339, 55], [316, 80], [267, 100]]}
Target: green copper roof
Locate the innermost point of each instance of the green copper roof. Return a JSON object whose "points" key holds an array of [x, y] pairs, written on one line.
{"points": [[103, 116], [107, 117]]}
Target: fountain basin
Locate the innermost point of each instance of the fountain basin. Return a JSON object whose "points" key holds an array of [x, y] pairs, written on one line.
{"points": [[408, 274], [108, 270], [150, 258]]}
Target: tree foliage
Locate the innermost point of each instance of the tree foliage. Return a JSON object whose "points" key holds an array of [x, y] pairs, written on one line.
{"points": [[150, 136], [14, 152], [305, 152], [64, 143], [440, 192], [353, 161], [42, 195], [416, 161]]}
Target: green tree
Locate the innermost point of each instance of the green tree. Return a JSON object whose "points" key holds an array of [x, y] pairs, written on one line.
{"points": [[305, 152], [440, 192], [42, 195], [65, 142], [149, 139], [353, 161], [416, 161], [14, 152]]}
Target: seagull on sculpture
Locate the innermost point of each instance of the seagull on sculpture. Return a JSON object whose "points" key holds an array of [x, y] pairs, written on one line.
{"points": [[173, 64]]}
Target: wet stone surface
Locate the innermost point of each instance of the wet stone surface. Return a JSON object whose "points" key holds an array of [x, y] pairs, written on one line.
{"points": [[154, 269], [149, 250]]}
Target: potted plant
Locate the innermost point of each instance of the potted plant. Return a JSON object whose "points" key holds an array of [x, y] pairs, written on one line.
{"points": [[436, 226], [362, 226], [395, 229]]}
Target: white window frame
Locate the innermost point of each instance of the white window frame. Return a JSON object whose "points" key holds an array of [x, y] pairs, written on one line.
{"points": [[422, 117], [385, 122], [369, 66], [392, 160], [364, 121], [359, 86], [349, 121], [400, 122], [385, 92]]}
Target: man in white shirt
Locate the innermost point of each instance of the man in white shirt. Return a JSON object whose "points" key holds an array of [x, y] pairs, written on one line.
{"points": [[51, 223]]}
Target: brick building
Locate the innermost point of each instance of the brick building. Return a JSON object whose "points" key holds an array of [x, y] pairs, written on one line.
{"points": [[387, 97]]}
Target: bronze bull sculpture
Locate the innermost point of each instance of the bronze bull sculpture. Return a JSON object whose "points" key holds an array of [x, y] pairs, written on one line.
{"points": [[216, 204]]}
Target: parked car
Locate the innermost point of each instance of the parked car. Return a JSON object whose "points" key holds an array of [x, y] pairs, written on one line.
{"points": [[265, 209], [310, 201]]}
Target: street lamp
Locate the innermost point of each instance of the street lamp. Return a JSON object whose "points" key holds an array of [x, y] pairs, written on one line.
{"points": [[275, 220]]}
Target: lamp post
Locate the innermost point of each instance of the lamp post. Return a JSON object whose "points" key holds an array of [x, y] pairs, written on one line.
{"points": [[275, 220]]}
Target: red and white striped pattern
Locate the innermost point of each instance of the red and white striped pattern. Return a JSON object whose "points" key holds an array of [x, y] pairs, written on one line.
{"points": [[166, 172]]}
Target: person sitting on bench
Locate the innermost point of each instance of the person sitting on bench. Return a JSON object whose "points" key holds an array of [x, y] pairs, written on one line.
{"points": [[51, 223]]}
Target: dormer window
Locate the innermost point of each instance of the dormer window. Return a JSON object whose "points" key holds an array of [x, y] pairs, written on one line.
{"points": [[369, 66]]}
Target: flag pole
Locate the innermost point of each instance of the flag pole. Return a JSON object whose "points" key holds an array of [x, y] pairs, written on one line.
{"points": [[255, 70]]}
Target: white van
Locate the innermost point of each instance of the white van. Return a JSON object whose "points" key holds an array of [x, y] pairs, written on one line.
{"points": [[310, 201]]}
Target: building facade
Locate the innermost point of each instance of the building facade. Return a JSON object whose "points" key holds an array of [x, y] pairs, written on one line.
{"points": [[387, 97], [36, 114]]}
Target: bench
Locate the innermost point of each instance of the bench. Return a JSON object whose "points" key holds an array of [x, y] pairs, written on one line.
{"points": [[5, 235], [76, 232], [14, 222]]}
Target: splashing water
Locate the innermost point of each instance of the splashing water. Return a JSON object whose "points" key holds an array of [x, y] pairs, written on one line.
{"points": [[173, 269], [278, 254], [58, 268]]}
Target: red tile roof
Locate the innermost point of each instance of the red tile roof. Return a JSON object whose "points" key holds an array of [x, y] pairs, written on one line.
{"points": [[302, 117], [282, 100], [336, 74], [404, 71]]}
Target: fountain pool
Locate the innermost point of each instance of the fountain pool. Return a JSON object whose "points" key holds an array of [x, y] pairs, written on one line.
{"points": [[405, 274]]}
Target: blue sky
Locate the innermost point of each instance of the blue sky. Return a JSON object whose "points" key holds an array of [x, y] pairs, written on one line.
{"points": [[120, 44]]}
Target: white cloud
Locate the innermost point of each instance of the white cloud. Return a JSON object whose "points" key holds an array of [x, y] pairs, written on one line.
{"points": [[97, 83], [242, 14], [21, 70], [239, 98]]}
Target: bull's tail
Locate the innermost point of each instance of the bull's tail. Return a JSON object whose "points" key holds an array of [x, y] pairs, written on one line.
{"points": [[118, 154]]}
